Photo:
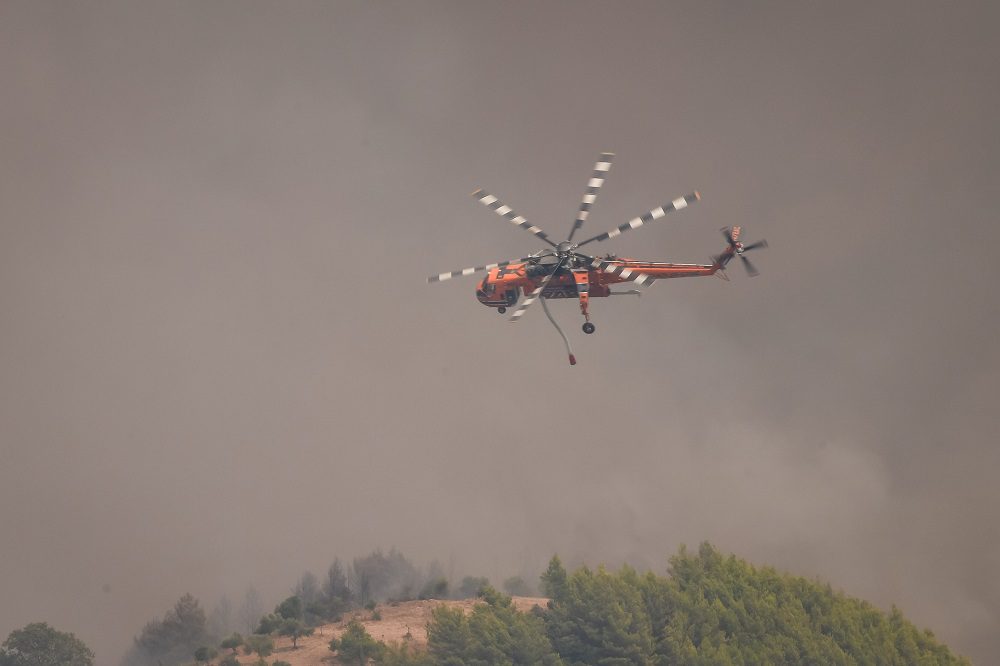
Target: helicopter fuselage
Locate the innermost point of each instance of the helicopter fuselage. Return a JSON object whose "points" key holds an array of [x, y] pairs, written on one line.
{"points": [[502, 286]]}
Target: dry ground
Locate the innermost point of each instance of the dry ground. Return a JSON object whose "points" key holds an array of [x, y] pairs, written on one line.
{"points": [[397, 620]]}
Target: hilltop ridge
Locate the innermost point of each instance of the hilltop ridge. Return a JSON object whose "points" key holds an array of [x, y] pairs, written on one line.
{"points": [[400, 622]]}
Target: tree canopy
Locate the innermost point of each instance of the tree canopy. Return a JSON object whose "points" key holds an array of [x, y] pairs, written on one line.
{"points": [[356, 645], [38, 644], [710, 609], [494, 633], [706, 609], [173, 640]]}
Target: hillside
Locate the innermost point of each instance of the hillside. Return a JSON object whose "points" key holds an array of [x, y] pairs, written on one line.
{"points": [[708, 609], [397, 619]]}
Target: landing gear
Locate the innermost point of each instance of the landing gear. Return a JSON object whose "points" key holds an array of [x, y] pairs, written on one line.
{"points": [[501, 309], [589, 328]]}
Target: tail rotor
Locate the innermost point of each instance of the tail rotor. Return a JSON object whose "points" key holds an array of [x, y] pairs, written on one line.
{"points": [[737, 248]]}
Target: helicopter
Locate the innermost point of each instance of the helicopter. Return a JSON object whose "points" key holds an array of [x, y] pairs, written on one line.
{"points": [[563, 271]]}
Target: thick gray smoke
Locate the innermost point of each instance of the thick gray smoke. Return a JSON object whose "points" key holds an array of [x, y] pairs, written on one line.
{"points": [[220, 364]]}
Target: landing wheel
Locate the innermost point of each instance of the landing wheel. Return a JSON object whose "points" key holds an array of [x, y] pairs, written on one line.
{"points": [[501, 309], [588, 328]]}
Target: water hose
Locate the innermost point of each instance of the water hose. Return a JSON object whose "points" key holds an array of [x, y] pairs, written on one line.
{"points": [[569, 350]]}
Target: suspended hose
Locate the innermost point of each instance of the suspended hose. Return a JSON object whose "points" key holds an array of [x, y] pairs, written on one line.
{"points": [[572, 359]]}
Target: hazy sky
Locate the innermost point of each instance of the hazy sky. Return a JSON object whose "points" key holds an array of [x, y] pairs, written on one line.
{"points": [[220, 364]]}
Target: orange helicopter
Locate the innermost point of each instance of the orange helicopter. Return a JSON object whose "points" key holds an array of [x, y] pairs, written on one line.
{"points": [[565, 272]]}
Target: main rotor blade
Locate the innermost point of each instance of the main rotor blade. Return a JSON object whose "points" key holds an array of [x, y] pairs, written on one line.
{"points": [[754, 246], [750, 268], [655, 214], [593, 187], [536, 294], [508, 214], [441, 277]]}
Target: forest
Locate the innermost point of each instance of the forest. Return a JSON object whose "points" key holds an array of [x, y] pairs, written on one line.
{"points": [[708, 608]]}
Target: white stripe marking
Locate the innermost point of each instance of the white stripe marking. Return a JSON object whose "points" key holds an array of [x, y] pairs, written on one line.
{"points": [[595, 182], [468, 271], [636, 223], [518, 220], [503, 210], [444, 276], [626, 272], [615, 233], [658, 213], [679, 203], [589, 198], [534, 230], [488, 199], [583, 215], [602, 166]]}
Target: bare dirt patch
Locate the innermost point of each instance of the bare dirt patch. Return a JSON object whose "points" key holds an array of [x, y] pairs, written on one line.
{"points": [[397, 620]]}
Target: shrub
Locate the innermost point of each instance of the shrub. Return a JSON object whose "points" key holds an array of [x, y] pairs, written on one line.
{"points": [[357, 645], [232, 642], [262, 645]]}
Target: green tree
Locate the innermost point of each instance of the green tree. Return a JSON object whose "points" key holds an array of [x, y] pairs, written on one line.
{"points": [[356, 645], [717, 609], [402, 655], [494, 633], [554, 579], [258, 644], [333, 597], [502, 634], [448, 636], [38, 644], [232, 642], [335, 586], [291, 609], [296, 629], [172, 640], [596, 617], [269, 624]]}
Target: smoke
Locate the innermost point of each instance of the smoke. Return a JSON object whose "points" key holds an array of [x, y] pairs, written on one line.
{"points": [[220, 365]]}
